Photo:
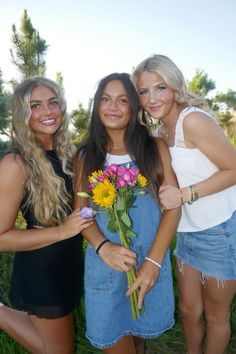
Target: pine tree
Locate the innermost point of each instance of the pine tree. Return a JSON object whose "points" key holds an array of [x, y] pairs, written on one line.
{"points": [[28, 49]]}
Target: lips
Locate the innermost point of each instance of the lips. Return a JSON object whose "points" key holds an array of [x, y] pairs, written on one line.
{"points": [[154, 108], [112, 116], [50, 121]]}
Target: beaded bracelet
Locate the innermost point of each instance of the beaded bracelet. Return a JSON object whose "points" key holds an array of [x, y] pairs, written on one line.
{"points": [[100, 245], [154, 262], [194, 194]]}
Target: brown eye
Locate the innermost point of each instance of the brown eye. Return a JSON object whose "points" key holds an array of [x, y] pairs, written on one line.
{"points": [[104, 99]]}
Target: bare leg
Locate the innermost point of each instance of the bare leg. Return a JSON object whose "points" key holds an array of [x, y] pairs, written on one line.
{"points": [[18, 325], [139, 345], [191, 307], [217, 301], [125, 346], [57, 335], [39, 336]]}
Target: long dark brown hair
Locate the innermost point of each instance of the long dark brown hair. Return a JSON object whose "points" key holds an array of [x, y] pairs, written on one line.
{"points": [[140, 145]]}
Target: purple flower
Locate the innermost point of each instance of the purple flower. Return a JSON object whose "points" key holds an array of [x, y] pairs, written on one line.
{"points": [[87, 213]]}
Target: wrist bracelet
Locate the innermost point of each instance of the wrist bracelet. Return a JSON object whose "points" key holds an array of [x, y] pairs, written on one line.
{"points": [[154, 262], [100, 245], [194, 194]]}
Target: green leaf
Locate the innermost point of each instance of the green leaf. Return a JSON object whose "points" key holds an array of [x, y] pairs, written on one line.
{"points": [[130, 234], [112, 226], [130, 201], [84, 195], [120, 204], [125, 218]]}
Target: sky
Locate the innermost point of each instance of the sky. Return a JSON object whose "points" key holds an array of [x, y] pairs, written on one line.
{"points": [[89, 39]]}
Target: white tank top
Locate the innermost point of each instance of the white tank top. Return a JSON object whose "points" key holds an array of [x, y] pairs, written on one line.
{"points": [[192, 166]]}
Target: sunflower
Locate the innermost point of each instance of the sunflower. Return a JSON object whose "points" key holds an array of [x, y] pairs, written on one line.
{"points": [[104, 194], [142, 181], [94, 176]]}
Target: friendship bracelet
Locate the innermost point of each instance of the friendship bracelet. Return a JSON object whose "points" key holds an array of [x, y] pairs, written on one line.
{"points": [[154, 262], [100, 245], [181, 197], [194, 194]]}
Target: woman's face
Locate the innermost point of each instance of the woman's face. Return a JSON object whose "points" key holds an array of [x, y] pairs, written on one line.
{"points": [[46, 114], [156, 97], [114, 109]]}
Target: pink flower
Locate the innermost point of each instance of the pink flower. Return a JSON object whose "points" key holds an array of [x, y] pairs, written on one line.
{"points": [[121, 183]]}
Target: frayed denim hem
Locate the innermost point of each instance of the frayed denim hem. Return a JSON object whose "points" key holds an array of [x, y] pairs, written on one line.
{"points": [[129, 333], [221, 283]]}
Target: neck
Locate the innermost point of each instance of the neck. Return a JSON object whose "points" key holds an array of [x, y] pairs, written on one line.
{"points": [[117, 141], [170, 119]]}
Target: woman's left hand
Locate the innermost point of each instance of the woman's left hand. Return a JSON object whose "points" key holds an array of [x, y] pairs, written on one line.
{"points": [[147, 275], [169, 197]]}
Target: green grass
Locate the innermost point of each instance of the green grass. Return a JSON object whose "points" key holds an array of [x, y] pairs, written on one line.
{"points": [[169, 343]]}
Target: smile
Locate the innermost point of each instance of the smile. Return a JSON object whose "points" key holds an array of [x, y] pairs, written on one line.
{"points": [[50, 121]]}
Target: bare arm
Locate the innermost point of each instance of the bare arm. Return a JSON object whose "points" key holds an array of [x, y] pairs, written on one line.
{"points": [[114, 255], [148, 272], [202, 132], [13, 178]]}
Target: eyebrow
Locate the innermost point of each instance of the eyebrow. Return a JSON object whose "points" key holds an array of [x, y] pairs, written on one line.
{"points": [[107, 94], [50, 99]]}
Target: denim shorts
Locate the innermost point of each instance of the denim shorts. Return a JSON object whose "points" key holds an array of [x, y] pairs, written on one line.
{"points": [[211, 251]]}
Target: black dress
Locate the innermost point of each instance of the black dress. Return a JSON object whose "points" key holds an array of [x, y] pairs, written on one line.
{"points": [[47, 282]]}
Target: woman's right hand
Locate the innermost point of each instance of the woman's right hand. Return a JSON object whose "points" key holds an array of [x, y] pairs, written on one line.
{"points": [[74, 224], [118, 257]]}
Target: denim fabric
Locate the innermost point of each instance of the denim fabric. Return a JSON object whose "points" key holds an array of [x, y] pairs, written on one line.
{"points": [[211, 251], [108, 312]]}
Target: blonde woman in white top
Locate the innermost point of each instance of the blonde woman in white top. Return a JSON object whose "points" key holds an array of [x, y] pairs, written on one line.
{"points": [[205, 166]]}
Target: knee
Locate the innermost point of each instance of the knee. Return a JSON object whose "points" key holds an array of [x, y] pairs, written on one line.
{"points": [[218, 318], [190, 310]]}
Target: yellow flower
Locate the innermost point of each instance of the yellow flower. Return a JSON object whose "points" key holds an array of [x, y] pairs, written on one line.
{"points": [[94, 176], [104, 194], [142, 180]]}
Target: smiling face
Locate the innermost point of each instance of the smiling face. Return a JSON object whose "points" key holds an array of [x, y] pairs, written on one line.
{"points": [[114, 108], [156, 97], [46, 113]]}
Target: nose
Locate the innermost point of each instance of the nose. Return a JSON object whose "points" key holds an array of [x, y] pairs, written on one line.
{"points": [[152, 97], [112, 104], [45, 109]]}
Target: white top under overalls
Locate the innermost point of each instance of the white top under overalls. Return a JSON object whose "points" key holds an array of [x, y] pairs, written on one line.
{"points": [[192, 166]]}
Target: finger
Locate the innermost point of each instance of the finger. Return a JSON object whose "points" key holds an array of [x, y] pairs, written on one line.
{"points": [[130, 254], [132, 288], [161, 188], [141, 295], [85, 225], [126, 266], [76, 211]]}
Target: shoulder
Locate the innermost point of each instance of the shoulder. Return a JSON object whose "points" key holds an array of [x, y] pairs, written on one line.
{"points": [[198, 118], [12, 165]]}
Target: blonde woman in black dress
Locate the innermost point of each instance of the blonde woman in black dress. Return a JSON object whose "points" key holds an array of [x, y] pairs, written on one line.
{"points": [[36, 177]]}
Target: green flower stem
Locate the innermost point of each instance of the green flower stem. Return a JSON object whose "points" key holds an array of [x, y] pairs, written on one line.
{"points": [[131, 275]]}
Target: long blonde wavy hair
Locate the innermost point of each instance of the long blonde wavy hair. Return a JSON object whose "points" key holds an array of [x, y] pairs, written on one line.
{"points": [[47, 193], [173, 77]]}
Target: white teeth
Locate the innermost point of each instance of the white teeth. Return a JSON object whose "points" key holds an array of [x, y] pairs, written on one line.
{"points": [[48, 121]]}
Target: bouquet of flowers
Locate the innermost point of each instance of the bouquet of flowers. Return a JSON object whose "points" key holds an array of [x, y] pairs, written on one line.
{"points": [[114, 190]]}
